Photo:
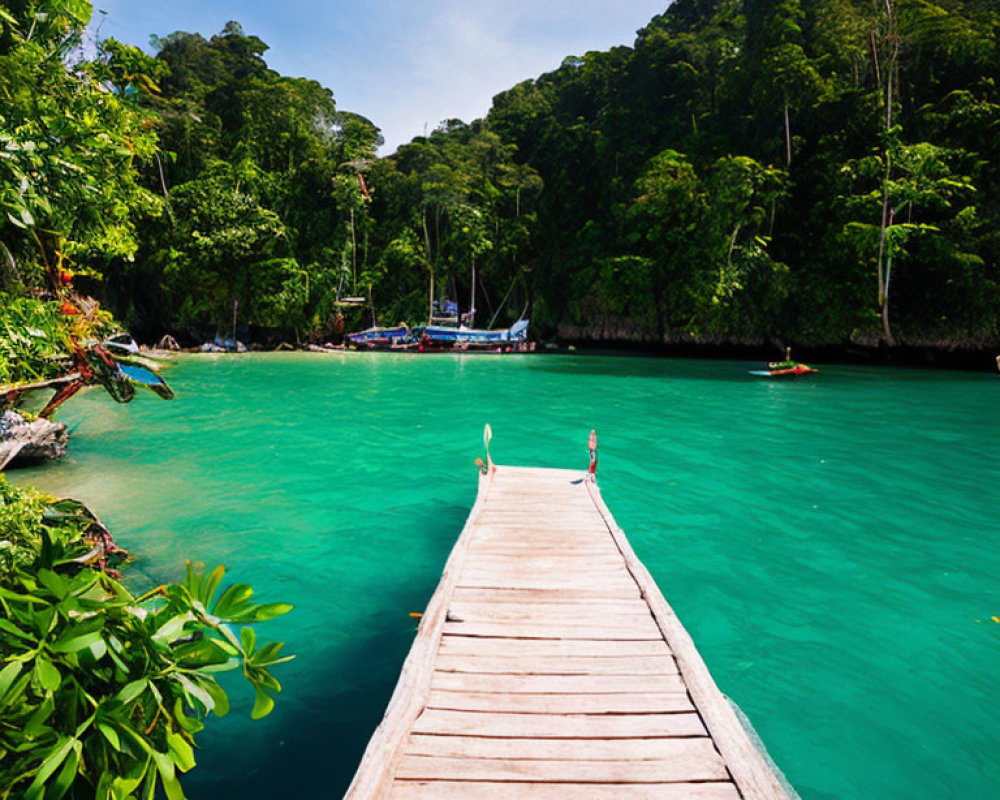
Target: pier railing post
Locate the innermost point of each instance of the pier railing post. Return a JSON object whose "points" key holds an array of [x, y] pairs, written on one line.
{"points": [[487, 437], [592, 447]]}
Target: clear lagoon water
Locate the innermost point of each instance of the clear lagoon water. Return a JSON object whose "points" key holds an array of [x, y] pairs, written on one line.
{"points": [[831, 543]]}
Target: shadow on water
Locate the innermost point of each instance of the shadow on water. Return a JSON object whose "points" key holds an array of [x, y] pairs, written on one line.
{"points": [[314, 748], [319, 748]]}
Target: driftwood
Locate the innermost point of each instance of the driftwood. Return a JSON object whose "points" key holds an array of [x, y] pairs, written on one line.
{"points": [[37, 440]]}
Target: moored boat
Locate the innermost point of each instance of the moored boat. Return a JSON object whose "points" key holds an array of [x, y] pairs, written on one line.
{"points": [[443, 337], [379, 338]]}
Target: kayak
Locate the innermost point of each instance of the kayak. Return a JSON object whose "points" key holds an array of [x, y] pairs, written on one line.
{"points": [[785, 372]]}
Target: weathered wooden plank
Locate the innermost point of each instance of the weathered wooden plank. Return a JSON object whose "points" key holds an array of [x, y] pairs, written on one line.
{"points": [[632, 629], [558, 726], [568, 575], [556, 684], [680, 749], [585, 612], [541, 561], [544, 548], [541, 550], [486, 531], [509, 595], [558, 665], [646, 703], [610, 561], [490, 769], [621, 588], [577, 521], [475, 645], [486, 790], [551, 501]]}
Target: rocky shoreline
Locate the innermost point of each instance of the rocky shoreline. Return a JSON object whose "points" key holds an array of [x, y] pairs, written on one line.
{"points": [[29, 441]]}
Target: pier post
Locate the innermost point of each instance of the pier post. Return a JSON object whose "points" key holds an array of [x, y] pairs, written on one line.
{"points": [[487, 437], [592, 447]]}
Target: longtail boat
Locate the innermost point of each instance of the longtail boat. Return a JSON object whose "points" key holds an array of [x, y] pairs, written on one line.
{"points": [[379, 338], [442, 337]]}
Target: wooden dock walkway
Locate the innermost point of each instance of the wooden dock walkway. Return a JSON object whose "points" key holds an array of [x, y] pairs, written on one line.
{"points": [[548, 666]]}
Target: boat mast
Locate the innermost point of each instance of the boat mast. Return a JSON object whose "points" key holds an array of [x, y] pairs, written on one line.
{"points": [[472, 300], [430, 308]]}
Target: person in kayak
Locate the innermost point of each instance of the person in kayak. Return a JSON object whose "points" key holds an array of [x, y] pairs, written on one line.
{"points": [[786, 364]]}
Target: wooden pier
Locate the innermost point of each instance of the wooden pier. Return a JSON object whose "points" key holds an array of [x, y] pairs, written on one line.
{"points": [[548, 666]]}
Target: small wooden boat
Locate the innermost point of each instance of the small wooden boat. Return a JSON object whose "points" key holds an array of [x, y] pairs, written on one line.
{"points": [[379, 338], [442, 337]]}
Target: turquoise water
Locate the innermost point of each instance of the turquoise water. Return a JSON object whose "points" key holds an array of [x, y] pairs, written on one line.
{"points": [[831, 543]]}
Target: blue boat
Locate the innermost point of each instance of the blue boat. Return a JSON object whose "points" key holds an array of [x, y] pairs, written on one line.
{"points": [[444, 337], [379, 338]]}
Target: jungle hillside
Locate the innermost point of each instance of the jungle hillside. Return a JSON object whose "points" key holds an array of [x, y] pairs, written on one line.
{"points": [[822, 173]]}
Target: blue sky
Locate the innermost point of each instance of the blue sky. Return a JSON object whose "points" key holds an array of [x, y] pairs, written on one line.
{"points": [[404, 64]]}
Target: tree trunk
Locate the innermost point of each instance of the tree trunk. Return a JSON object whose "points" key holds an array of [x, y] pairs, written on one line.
{"points": [[788, 139], [886, 330], [430, 264]]}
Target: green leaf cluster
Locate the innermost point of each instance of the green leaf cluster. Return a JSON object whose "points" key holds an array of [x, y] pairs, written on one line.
{"points": [[102, 692]]}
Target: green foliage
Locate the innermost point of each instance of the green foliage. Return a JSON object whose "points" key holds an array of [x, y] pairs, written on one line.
{"points": [[102, 692], [723, 243], [777, 113], [33, 339], [69, 146]]}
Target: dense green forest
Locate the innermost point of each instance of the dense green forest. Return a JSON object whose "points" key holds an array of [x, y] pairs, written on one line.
{"points": [[811, 171]]}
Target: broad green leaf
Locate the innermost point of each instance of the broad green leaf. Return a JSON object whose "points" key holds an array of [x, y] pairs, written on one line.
{"points": [[189, 724], [266, 611], [67, 774], [71, 643], [9, 627], [172, 628], [79, 10], [7, 676], [98, 650], [249, 639], [219, 696], [180, 751], [44, 620], [35, 725], [48, 675], [232, 601], [261, 677], [269, 654], [111, 735], [168, 775], [132, 690], [210, 584], [263, 705], [56, 755], [201, 653], [15, 691], [196, 692]]}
